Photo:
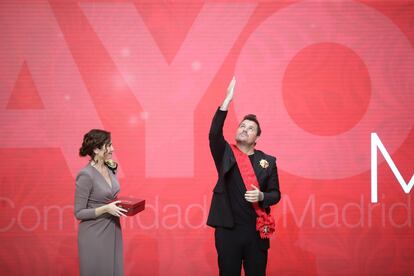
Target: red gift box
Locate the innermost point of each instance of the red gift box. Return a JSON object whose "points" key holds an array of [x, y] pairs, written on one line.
{"points": [[132, 205]]}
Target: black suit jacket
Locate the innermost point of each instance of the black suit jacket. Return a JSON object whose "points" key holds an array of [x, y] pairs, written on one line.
{"points": [[220, 214]]}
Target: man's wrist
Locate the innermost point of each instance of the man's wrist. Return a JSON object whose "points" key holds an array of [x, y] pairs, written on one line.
{"points": [[225, 105], [261, 196]]}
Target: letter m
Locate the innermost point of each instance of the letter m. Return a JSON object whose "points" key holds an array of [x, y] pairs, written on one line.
{"points": [[377, 144]]}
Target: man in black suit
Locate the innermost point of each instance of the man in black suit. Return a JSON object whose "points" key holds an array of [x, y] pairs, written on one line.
{"points": [[231, 213]]}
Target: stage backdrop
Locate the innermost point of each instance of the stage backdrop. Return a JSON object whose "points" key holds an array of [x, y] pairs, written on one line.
{"points": [[331, 82]]}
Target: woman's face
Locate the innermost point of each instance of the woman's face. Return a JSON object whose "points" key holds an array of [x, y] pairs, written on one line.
{"points": [[105, 152]]}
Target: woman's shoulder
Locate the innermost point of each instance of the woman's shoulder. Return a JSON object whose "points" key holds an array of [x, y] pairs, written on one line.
{"points": [[86, 171]]}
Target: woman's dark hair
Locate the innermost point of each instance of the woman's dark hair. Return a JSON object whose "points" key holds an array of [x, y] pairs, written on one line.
{"points": [[95, 138], [252, 117]]}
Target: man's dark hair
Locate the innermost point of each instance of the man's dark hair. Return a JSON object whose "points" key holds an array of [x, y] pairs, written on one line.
{"points": [[253, 118]]}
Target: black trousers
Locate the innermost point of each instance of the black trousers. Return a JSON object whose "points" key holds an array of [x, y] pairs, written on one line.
{"points": [[240, 246]]}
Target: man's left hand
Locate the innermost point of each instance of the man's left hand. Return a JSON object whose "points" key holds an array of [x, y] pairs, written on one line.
{"points": [[254, 195]]}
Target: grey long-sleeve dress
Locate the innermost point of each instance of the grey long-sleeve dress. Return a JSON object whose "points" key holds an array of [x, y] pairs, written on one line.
{"points": [[99, 238]]}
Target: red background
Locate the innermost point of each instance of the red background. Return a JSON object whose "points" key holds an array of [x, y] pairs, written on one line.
{"points": [[321, 76]]}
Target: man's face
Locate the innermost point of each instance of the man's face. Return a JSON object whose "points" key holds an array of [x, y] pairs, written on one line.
{"points": [[247, 132]]}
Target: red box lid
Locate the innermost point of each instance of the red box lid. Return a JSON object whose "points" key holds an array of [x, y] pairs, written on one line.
{"points": [[131, 204]]}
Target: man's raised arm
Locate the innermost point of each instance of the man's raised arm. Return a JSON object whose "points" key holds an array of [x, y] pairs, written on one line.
{"points": [[216, 138]]}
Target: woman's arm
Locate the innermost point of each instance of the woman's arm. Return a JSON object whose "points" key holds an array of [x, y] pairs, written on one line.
{"points": [[82, 193]]}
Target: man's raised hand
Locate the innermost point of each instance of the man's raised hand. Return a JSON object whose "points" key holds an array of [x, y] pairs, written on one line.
{"points": [[229, 96]]}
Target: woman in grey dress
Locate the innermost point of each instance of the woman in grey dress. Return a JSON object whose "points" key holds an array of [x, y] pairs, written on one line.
{"points": [[99, 233]]}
